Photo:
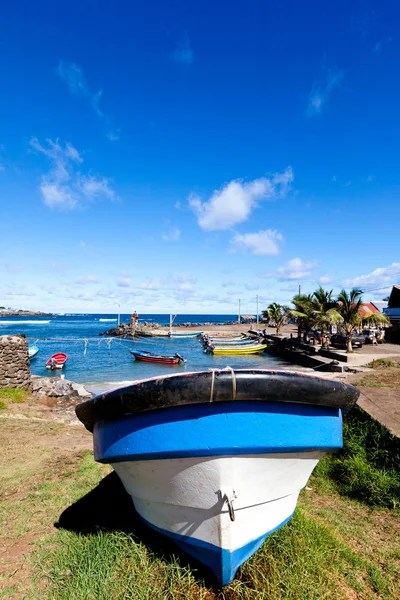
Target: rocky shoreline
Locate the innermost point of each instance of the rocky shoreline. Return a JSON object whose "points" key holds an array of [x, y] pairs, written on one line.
{"points": [[146, 329], [24, 313]]}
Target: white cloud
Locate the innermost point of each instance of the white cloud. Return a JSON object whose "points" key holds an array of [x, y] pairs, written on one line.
{"points": [[87, 279], [124, 282], [379, 277], [172, 236], [149, 284], [325, 279], [183, 52], [261, 243], [95, 187], [74, 78], [113, 135], [63, 186], [321, 92], [294, 269], [234, 202]]}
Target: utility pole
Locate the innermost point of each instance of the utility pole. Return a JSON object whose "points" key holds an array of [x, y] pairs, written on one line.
{"points": [[299, 289], [257, 310], [239, 314]]}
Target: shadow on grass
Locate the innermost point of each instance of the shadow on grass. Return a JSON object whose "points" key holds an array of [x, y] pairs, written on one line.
{"points": [[109, 508]]}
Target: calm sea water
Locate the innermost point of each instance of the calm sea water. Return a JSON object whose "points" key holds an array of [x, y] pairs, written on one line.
{"points": [[100, 361]]}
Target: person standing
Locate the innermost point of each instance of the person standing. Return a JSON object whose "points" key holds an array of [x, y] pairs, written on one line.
{"points": [[134, 320]]}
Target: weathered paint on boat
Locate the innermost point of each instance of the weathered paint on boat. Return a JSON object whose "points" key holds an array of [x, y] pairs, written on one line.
{"points": [[219, 470]]}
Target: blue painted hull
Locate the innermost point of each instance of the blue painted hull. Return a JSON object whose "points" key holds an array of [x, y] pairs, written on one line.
{"points": [[163, 455]]}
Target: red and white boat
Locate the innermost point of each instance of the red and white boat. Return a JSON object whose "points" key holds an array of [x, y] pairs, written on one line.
{"points": [[57, 361], [177, 359]]}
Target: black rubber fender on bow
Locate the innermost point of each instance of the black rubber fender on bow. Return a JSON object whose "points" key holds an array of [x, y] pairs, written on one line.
{"points": [[225, 385]]}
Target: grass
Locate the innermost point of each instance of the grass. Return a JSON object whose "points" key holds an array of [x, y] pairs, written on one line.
{"points": [[335, 547], [368, 466], [383, 372], [383, 363], [15, 395]]}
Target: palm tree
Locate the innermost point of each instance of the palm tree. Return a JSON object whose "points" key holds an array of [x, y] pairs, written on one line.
{"points": [[302, 314], [349, 310], [322, 310], [276, 313]]}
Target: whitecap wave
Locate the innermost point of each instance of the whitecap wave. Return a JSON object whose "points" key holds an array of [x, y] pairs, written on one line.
{"points": [[107, 320], [22, 322]]}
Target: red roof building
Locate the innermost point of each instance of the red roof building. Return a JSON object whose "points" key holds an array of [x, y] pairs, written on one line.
{"points": [[367, 308]]}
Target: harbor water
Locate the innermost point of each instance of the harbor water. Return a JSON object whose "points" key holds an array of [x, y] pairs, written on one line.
{"points": [[103, 363]]}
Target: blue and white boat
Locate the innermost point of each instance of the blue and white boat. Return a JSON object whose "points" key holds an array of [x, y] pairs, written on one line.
{"points": [[179, 335], [32, 351], [215, 460]]}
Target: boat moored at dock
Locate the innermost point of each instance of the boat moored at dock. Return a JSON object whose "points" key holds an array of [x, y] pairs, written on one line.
{"points": [[215, 460]]}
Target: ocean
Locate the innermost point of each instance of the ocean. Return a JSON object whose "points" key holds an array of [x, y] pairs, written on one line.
{"points": [[101, 363]]}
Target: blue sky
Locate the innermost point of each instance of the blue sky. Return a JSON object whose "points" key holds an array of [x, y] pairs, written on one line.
{"points": [[178, 156]]}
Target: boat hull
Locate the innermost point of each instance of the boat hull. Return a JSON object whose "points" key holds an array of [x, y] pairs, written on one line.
{"points": [[186, 335], [157, 359], [239, 349], [264, 490], [191, 470], [32, 352], [57, 361]]}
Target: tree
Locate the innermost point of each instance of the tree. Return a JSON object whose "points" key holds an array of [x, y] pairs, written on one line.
{"points": [[319, 310], [349, 305], [303, 314], [276, 313]]}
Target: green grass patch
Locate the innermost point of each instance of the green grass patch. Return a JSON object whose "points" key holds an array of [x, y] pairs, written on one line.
{"points": [[15, 395], [368, 466], [3, 405], [383, 363], [302, 561]]}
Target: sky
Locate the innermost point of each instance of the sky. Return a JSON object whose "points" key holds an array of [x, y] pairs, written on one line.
{"points": [[178, 156]]}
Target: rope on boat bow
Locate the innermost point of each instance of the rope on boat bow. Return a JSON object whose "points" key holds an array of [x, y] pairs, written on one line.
{"points": [[213, 371]]}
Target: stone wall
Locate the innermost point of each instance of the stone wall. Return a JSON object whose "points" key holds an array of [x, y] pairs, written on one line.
{"points": [[14, 362]]}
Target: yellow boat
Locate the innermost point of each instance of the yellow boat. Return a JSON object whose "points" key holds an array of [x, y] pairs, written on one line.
{"points": [[239, 349]]}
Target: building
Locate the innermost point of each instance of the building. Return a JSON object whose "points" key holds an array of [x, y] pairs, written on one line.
{"points": [[393, 313], [367, 308]]}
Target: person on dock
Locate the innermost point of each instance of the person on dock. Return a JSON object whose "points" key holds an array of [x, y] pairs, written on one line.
{"points": [[134, 320]]}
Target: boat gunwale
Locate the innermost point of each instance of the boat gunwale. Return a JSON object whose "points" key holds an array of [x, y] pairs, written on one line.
{"points": [[223, 385]]}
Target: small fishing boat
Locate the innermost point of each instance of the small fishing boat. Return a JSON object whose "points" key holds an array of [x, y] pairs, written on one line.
{"points": [[216, 460], [57, 361], [217, 342], [227, 338], [32, 351], [247, 349], [193, 334], [158, 358]]}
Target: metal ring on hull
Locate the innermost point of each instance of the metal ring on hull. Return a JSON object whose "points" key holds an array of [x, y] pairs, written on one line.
{"points": [[226, 385]]}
